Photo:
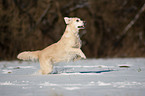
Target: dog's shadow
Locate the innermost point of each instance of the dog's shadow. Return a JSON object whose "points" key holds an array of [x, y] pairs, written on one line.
{"points": [[56, 71]]}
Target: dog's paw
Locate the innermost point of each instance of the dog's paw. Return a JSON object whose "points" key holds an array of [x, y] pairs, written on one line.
{"points": [[83, 56]]}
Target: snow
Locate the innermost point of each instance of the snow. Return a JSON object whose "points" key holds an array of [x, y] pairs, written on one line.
{"points": [[91, 77]]}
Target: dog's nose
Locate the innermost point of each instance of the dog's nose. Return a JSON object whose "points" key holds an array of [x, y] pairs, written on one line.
{"points": [[84, 22]]}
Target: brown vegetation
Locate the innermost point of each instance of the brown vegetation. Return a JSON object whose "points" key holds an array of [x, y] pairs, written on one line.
{"points": [[35, 24]]}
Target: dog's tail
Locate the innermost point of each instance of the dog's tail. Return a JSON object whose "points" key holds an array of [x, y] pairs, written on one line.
{"points": [[28, 55]]}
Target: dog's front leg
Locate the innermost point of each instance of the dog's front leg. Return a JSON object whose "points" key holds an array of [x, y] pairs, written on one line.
{"points": [[45, 65], [78, 57], [78, 52]]}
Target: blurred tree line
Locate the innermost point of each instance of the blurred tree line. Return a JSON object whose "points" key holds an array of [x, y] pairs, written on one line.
{"points": [[115, 28]]}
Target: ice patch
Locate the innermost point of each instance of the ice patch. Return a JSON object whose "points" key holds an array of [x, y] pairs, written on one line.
{"points": [[25, 81], [72, 88], [125, 84], [24, 67], [52, 84], [103, 83], [26, 87], [5, 71], [6, 83], [48, 84], [92, 82], [120, 84]]}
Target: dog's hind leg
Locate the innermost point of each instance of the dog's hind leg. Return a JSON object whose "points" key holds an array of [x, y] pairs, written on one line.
{"points": [[46, 66]]}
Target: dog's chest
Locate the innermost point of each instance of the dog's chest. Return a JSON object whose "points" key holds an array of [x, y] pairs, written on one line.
{"points": [[76, 42], [71, 40]]}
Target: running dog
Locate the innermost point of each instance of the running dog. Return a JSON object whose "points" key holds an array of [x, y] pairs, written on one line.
{"points": [[66, 49]]}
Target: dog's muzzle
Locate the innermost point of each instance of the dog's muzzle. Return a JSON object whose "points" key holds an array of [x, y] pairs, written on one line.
{"points": [[83, 26]]}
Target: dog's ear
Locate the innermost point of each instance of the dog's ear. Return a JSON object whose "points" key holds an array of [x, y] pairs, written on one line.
{"points": [[67, 20]]}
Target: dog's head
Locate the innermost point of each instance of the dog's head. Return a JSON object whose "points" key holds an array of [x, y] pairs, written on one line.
{"points": [[75, 22]]}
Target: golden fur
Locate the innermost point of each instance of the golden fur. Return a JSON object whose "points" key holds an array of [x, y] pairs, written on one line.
{"points": [[66, 49]]}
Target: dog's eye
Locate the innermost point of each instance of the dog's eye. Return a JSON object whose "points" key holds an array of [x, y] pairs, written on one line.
{"points": [[77, 20]]}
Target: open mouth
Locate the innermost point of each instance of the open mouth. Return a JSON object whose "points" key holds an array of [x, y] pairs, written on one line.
{"points": [[82, 27]]}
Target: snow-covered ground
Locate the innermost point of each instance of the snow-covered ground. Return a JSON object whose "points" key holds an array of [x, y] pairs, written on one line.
{"points": [[91, 77]]}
